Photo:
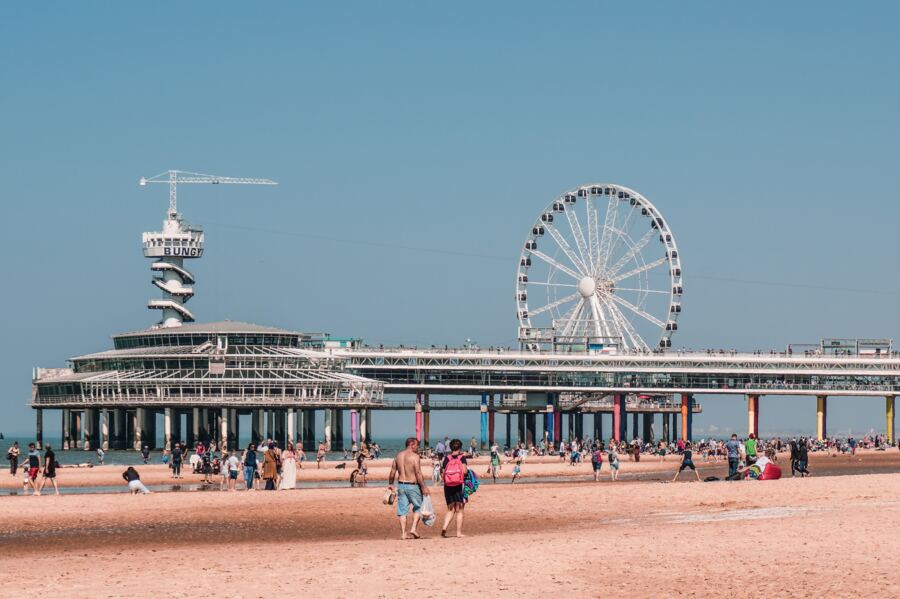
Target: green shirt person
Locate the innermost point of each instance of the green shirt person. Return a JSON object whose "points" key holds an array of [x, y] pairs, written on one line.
{"points": [[750, 446]]}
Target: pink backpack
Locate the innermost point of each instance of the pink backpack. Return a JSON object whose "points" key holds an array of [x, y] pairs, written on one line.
{"points": [[453, 474]]}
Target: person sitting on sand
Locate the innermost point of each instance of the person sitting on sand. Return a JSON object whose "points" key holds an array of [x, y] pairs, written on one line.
{"points": [[133, 479], [687, 461]]}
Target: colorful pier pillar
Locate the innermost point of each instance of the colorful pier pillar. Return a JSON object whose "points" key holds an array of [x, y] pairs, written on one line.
{"points": [[484, 420], [167, 429], [821, 417], [426, 418], [491, 414], [687, 417], [354, 426], [619, 432], [419, 422], [753, 415], [889, 414]]}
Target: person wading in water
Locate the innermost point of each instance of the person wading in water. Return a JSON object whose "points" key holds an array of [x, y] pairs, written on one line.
{"points": [[407, 470]]}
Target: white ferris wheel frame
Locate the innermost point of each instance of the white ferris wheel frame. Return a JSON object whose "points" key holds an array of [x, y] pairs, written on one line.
{"points": [[593, 313]]}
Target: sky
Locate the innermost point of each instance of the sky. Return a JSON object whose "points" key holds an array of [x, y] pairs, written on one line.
{"points": [[415, 143]]}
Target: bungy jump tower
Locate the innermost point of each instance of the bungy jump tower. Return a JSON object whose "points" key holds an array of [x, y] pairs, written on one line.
{"points": [[197, 379]]}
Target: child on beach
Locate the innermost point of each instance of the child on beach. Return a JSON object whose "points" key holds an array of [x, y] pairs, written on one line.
{"points": [[517, 470], [597, 462], [436, 472]]}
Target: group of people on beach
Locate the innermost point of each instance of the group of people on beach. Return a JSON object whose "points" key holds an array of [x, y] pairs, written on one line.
{"points": [[45, 465]]}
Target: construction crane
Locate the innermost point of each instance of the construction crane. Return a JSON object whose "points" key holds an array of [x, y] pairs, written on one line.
{"points": [[173, 178]]}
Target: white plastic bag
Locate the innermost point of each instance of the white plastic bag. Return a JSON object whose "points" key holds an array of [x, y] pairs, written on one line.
{"points": [[427, 512]]}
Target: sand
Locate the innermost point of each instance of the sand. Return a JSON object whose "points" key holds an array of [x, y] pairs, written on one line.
{"points": [[826, 535]]}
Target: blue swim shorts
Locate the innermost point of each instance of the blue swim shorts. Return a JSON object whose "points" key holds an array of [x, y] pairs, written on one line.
{"points": [[408, 494]]}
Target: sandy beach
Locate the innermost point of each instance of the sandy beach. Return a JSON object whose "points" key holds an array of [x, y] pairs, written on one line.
{"points": [[825, 535]]}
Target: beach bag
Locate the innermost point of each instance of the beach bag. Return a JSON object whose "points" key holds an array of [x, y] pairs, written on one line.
{"points": [[388, 497], [471, 484], [427, 511], [453, 474]]}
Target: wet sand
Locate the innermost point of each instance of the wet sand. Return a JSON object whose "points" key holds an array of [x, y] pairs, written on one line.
{"points": [[650, 468], [826, 535]]}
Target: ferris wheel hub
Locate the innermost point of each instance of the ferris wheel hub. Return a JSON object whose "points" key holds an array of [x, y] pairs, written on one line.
{"points": [[587, 286]]}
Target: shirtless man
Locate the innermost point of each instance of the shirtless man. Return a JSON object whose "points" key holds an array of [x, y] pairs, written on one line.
{"points": [[407, 469]]}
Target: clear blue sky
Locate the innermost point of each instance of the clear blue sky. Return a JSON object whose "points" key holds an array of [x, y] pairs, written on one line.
{"points": [[415, 143]]}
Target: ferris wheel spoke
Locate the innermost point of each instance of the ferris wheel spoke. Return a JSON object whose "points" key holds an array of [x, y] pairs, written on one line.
{"points": [[551, 305], [608, 228], [631, 252], [640, 269], [548, 284], [598, 316], [571, 317], [565, 247], [639, 312], [593, 237], [556, 264], [641, 290], [579, 237], [636, 339]]}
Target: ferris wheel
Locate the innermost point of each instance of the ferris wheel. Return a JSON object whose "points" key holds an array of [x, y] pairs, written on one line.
{"points": [[599, 269]]}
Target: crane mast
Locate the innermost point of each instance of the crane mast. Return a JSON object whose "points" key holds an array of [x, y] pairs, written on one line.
{"points": [[177, 241]]}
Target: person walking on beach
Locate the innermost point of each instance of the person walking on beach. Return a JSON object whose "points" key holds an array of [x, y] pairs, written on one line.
{"points": [[517, 471], [249, 461], [231, 467], [454, 469], [612, 455], [406, 469], [687, 461], [100, 455], [802, 457], [177, 459], [733, 447], [320, 455], [12, 454], [49, 470], [34, 466], [270, 468], [133, 479], [288, 468], [597, 462], [495, 462], [145, 453]]}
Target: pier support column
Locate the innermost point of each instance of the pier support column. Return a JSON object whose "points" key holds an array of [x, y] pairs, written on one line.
{"points": [[889, 416], [368, 432], [419, 418], [255, 427], [509, 429], [619, 432], [90, 429], [821, 417], [491, 418], [598, 427], [223, 432], [753, 415], [354, 427], [647, 427], [426, 420], [119, 429], [531, 428], [674, 431], [66, 434], [291, 423], [138, 428], [363, 426], [549, 437], [39, 427], [570, 429], [167, 429], [520, 422], [76, 429], [177, 433], [328, 419], [484, 421], [557, 421], [310, 443], [280, 425], [665, 427], [104, 429], [634, 425], [194, 426], [579, 425], [338, 434], [232, 428], [687, 417]]}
